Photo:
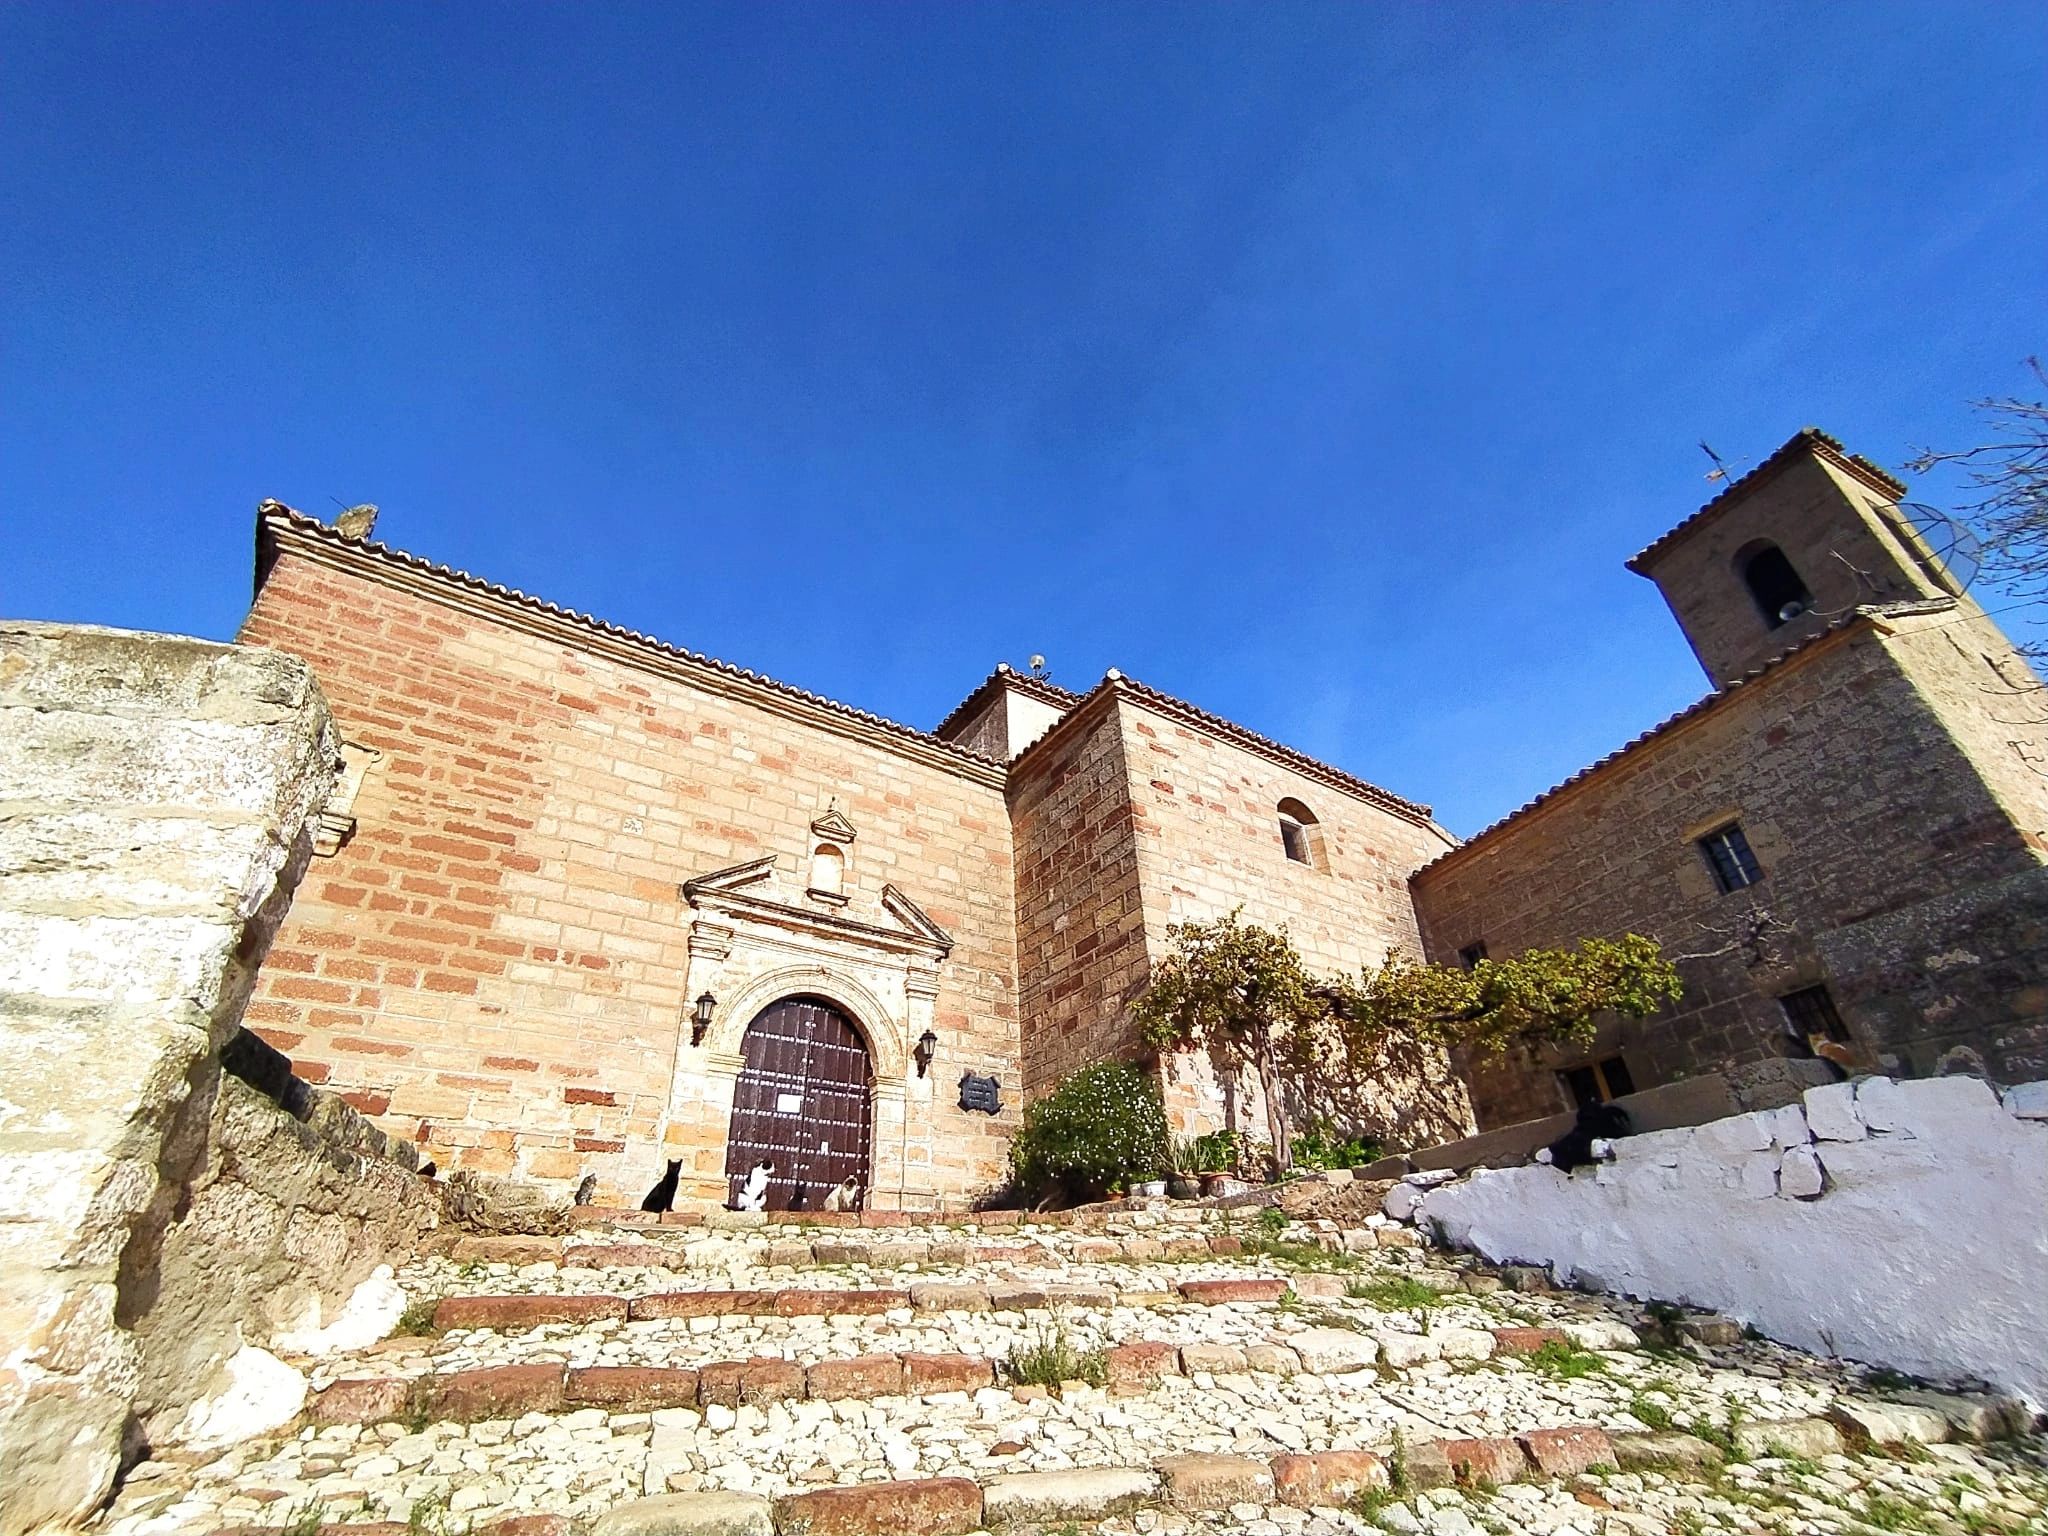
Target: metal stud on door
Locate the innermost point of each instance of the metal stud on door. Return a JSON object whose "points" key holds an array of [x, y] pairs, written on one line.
{"points": [[801, 1103]]}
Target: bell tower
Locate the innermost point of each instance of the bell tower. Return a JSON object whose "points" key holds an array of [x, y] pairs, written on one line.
{"points": [[1808, 535]]}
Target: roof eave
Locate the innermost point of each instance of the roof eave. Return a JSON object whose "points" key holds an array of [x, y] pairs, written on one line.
{"points": [[1809, 440], [1006, 678], [280, 527], [1871, 615]]}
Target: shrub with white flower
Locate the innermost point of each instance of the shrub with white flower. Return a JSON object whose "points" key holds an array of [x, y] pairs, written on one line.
{"points": [[1098, 1132]]}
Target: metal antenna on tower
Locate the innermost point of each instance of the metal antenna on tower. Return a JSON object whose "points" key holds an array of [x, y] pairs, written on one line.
{"points": [[1723, 472]]}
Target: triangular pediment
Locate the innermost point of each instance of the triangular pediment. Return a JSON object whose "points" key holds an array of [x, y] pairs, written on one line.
{"points": [[912, 916], [750, 893], [733, 877], [833, 827]]}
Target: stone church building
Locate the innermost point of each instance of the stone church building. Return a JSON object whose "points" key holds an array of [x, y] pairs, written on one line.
{"points": [[590, 903]]}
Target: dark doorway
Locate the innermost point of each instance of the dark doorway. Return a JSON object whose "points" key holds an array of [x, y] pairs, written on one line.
{"points": [[1598, 1081], [801, 1102]]}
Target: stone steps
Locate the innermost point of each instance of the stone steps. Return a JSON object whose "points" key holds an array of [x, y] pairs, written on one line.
{"points": [[553, 1386], [618, 1400], [525, 1310], [1082, 1219], [637, 1250], [1190, 1484]]}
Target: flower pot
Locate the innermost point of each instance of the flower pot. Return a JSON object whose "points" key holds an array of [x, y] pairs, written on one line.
{"points": [[1150, 1189], [1184, 1188], [1223, 1184]]}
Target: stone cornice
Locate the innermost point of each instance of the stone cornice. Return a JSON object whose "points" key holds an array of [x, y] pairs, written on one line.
{"points": [[1115, 686], [280, 530], [726, 893], [1007, 678], [1872, 618]]}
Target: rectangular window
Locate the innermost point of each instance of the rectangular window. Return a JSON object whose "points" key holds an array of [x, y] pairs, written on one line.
{"points": [[1294, 838], [1598, 1081], [1472, 953], [1810, 1011], [1727, 853]]}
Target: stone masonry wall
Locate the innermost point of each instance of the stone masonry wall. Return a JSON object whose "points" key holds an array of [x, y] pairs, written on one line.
{"points": [[155, 796], [495, 963], [1081, 941], [283, 1222], [1208, 842], [1954, 983], [1991, 702], [1856, 797], [1895, 1223]]}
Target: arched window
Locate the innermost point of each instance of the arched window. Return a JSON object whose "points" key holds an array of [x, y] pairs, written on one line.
{"points": [[1780, 595], [1299, 834], [828, 873]]}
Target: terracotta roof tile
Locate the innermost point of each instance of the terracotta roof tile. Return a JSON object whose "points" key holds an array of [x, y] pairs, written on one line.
{"points": [[1023, 682], [277, 512], [1805, 440], [1114, 682], [1848, 620]]}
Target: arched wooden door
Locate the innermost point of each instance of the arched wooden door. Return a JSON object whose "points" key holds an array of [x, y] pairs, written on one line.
{"points": [[801, 1102]]}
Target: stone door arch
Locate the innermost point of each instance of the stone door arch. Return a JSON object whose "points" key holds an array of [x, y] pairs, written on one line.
{"points": [[803, 1101]]}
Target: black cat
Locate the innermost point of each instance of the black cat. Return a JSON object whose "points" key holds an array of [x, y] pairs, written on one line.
{"points": [[663, 1195], [1574, 1149]]}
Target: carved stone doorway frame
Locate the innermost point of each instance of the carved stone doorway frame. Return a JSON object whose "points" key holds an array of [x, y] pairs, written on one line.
{"points": [[754, 942]]}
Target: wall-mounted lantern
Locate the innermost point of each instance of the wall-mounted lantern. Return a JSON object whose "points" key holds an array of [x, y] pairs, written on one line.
{"points": [[927, 1044], [700, 1021]]}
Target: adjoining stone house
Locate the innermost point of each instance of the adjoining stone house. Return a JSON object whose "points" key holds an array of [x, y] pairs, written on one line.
{"points": [[589, 903], [1843, 844]]}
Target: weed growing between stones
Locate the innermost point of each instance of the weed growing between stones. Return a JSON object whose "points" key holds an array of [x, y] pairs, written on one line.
{"points": [[1320, 1317], [304, 1519], [1369, 1503], [419, 1407], [417, 1320], [1720, 1436], [1890, 1514], [1300, 1255], [429, 1516], [1565, 1361], [1797, 1465], [1397, 1293], [1051, 1358], [1651, 1414]]}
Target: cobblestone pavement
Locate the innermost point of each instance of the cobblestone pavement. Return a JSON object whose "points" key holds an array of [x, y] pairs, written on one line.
{"points": [[1381, 1349], [1952, 1491]]}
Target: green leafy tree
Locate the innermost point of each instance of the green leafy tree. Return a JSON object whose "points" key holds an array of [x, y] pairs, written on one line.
{"points": [[1243, 993], [1238, 991], [1540, 995]]}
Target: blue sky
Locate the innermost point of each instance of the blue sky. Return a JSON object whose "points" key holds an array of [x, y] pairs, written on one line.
{"points": [[1318, 363]]}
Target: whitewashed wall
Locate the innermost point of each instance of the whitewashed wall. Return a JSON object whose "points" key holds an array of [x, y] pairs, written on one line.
{"points": [[1902, 1224]]}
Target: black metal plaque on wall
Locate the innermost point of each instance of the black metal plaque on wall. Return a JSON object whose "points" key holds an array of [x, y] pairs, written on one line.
{"points": [[982, 1093]]}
